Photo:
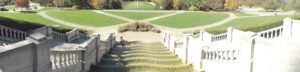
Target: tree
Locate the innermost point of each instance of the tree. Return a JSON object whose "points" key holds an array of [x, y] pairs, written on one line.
{"points": [[251, 3], [58, 3], [176, 4], [166, 4], [22, 3], [232, 4], [97, 4], [271, 5], [295, 4]]}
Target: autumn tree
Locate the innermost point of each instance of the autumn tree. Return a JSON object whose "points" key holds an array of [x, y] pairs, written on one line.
{"points": [[22, 3], [97, 4], [58, 3], [176, 4], [232, 4]]}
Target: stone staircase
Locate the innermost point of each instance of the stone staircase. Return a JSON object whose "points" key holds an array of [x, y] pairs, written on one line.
{"points": [[141, 57]]}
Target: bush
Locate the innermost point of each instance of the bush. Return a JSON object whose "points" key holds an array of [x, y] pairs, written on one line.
{"points": [[138, 27], [193, 8]]}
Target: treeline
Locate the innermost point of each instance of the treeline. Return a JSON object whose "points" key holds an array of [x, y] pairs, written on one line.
{"points": [[269, 5]]}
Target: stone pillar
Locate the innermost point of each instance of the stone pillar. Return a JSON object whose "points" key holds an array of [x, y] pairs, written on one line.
{"points": [[287, 28], [230, 34], [41, 53], [185, 47]]}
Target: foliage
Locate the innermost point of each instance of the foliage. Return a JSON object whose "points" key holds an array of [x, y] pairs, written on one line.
{"points": [[97, 4], [166, 4], [176, 4], [295, 4], [232, 4], [271, 5], [112, 4], [58, 3], [193, 8], [251, 3], [22, 3], [139, 27]]}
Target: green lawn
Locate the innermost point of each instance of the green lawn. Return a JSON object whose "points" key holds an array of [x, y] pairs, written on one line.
{"points": [[137, 15], [140, 5], [30, 17], [84, 17], [251, 24], [191, 19]]}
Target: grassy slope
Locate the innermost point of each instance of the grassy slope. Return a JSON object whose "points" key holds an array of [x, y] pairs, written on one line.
{"points": [[30, 17], [251, 24], [190, 19], [84, 17], [138, 6], [137, 15]]}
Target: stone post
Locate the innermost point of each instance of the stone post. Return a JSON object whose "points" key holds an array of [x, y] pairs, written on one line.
{"points": [[230, 34], [287, 28], [41, 55], [185, 47]]}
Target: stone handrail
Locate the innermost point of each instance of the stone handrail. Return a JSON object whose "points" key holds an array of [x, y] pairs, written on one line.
{"points": [[10, 34], [219, 37], [65, 58], [221, 55], [271, 33], [178, 44], [59, 36]]}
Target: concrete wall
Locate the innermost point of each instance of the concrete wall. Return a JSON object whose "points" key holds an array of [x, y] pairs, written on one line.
{"points": [[31, 55]]}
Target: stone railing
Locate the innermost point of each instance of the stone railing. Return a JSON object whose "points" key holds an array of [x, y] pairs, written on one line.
{"points": [[228, 55], [69, 36], [219, 37], [29, 55], [67, 60], [59, 36], [271, 33], [178, 44], [271, 50], [10, 34]]}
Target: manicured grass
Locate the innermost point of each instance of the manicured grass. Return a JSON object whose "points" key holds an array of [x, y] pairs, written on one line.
{"points": [[30, 17], [138, 15], [190, 19], [84, 17], [254, 24], [138, 5]]}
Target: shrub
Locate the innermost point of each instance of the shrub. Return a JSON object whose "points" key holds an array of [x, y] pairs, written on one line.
{"points": [[138, 27], [193, 8]]}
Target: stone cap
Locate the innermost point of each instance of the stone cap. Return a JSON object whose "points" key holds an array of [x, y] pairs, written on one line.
{"points": [[37, 37]]}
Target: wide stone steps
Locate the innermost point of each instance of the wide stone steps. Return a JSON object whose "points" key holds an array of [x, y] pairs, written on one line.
{"points": [[141, 57]]}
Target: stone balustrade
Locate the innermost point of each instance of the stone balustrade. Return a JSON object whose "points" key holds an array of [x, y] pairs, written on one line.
{"points": [[219, 37], [272, 50], [65, 58], [178, 44], [271, 33], [11, 34], [59, 36], [221, 55]]}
